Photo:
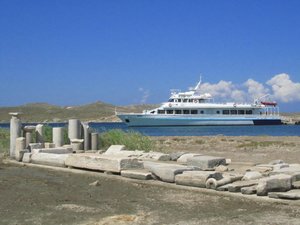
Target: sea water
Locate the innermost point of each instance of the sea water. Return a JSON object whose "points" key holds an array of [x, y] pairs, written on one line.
{"points": [[276, 130]]}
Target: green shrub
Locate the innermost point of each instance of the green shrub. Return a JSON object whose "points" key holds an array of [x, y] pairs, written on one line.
{"points": [[132, 140], [4, 140]]}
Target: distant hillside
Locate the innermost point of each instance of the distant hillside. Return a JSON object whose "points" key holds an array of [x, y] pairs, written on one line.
{"points": [[43, 112]]}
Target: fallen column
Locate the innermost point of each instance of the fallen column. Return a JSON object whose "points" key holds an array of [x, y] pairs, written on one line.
{"points": [[196, 178]]}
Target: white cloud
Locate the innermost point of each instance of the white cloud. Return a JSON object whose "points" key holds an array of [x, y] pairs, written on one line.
{"points": [[255, 89], [224, 91], [284, 89]]}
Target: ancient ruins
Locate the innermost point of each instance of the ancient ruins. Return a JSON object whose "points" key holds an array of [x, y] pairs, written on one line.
{"points": [[275, 179]]}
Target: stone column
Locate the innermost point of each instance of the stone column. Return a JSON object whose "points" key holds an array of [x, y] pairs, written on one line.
{"points": [[58, 136], [39, 133], [86, 136], [74, 129], [15, 132], [94, 138], [28, 134], [20, 146]]}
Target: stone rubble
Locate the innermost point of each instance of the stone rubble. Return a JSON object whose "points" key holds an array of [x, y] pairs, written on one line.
{"points": [[275, 179]]}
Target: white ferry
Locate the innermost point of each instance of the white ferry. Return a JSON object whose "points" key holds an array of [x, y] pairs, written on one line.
{"points": [[192, 108]]}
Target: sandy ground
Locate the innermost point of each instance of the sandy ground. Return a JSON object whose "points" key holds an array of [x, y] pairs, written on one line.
{"points": [[31, 195], [261, 149]]}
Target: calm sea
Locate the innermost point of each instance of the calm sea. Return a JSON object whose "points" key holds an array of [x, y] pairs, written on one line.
{"points": [[280, 130]]}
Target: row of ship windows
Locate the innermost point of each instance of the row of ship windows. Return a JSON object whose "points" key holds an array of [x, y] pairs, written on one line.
{"points": [[193, 111], [186, 100]]}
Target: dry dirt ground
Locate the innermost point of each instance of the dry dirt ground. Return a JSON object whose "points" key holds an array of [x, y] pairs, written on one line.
{"points": [[256, 149], [33, 195]]}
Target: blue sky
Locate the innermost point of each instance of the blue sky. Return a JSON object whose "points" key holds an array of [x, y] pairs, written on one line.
{"points": [[70, 52]]}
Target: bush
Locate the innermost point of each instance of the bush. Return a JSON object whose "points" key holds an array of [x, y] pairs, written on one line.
{"points": [[4, 140], [132, 140]]}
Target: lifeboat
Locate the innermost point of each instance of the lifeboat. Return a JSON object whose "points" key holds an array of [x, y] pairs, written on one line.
{"points": [[269, 103]]}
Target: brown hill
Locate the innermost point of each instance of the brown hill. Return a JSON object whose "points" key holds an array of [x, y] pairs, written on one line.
{"points": [[43, 112]]}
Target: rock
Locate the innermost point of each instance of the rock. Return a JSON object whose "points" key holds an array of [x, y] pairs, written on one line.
{"points": [[196, 178], [53, 150], [206, 162], [249, 190], [291, 195], [292, 169], [280, 166], [33, 146], [158, 156], [96, 183], [49, 145], [222, 188], [49, 159], [26, 157], [238, 185], [275, 162], [221, 168], [228, 161], [183, 159], [264, 170], [276, 183], [94, 141], [176, 155], [113, 149], [164, 171], [125, 153], [252, 175], [137, 174], [94, 161], [296, 184]]}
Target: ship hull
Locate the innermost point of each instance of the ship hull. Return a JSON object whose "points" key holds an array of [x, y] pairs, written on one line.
{"points": [[142, 120]]}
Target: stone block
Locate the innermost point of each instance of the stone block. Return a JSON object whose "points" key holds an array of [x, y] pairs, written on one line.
{"points": [[221, 168], [196, 178], [249, 190], [113, 149], [49, 145], [53, 150], [291, 195], [33, 146], [93, 161], [296, 184], [27, 157], [176, 155], [276, 183], [157, 156], [238, 185], [125, 153], [49, 159], [166, 171], [206, 162], [252, 175], [137, 174], [184, 158]]}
